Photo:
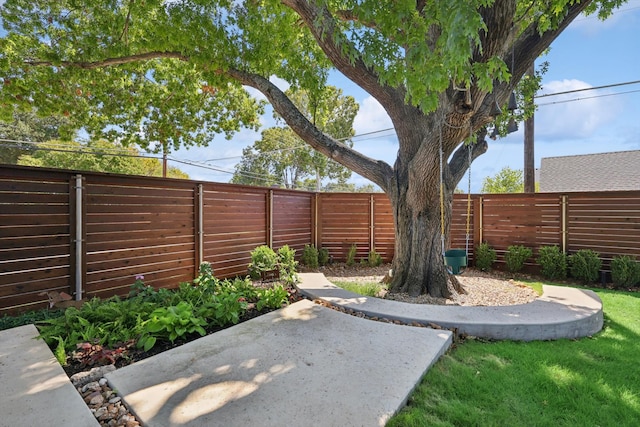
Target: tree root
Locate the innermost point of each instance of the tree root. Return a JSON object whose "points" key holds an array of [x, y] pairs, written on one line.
{"points": [[455, 283]]}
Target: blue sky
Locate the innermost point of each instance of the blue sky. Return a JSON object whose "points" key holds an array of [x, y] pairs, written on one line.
{"points": [[589, 53]]}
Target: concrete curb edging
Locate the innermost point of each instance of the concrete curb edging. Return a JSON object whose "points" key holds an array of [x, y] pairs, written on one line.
{"points": [[561, 312]]}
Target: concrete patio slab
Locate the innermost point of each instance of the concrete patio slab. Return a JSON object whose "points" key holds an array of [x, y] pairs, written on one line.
{"points": [[35, 389], [561, 312], [303, 365]]}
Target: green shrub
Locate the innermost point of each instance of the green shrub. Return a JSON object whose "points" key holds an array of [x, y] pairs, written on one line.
{"points": [[263, 258], [105, 322], [484, 256], [226, 308], [516, 256], [323, 256], [27, 318], [171, 322], [287, 264], [240, 286], [351, 255], [585, 265], [374, 259], [553, 262], [310, 256], [273, 298], [625, 271], [149, 315]]}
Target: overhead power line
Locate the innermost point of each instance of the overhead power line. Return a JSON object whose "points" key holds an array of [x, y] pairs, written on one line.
{"points": [[81, 150], [589, 88], [588, 97]]}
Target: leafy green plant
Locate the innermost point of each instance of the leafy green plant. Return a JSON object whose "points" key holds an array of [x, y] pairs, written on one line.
{"points": [[273, 298], [263, 258], [585, 265], [310, 256], [374, 259], [625, 271], [60, 352], [351, 255], [106, 322], [516, 256], [27, 318], [205, 273], [102, 330], [287, 265], [484, 256], [323, 256], [553, 262], [172, 323], [239, 286], [226, 308]]}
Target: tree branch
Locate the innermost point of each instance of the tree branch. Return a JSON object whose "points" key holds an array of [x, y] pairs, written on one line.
{"points": [[353, 67], [125, 29], [110, 62], [376, 171], [531, 43]]}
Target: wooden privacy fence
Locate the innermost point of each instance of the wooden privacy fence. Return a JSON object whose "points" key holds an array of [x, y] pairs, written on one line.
{"points": [[606, 222], [91, 234]]}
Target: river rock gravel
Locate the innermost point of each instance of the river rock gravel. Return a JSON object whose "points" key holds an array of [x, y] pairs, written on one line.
{"points": [[482, 289]]}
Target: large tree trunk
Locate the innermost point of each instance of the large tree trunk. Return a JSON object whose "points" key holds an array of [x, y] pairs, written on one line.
{"points": [[418, 265], [420, 235]]}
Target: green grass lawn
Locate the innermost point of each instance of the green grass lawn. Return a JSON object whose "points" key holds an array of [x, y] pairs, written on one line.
{"points": [[369, 289], [588, 382]]}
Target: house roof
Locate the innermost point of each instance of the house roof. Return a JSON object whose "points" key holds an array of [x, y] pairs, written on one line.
{"points": [[591, 172]]}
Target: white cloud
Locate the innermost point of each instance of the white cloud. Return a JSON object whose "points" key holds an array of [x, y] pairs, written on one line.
{"points": [[592, 26], [371, 117], [561, 118]]}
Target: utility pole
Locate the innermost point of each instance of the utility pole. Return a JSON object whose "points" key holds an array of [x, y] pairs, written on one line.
{"points": [[529, 159], [164, 160]]}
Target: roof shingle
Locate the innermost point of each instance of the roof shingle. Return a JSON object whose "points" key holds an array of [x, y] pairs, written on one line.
{"points": [[615, 171]]}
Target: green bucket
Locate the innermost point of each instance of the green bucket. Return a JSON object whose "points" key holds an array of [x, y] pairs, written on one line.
{"points": [[455, 259]]}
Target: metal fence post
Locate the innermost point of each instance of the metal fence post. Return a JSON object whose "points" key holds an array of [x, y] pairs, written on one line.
{"points": [[372, 242], [563, 222], [270, 219], [79, 233]]}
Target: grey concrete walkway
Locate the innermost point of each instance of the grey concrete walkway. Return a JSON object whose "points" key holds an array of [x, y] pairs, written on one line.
{"points": [[561, 312], [304, 365], [35, 389]]}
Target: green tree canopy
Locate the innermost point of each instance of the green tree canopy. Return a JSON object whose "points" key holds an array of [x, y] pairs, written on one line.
{"points": [[348, 187], [97, 156], [282, 158], [278, 158], [506, 181], [18, 134]]}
